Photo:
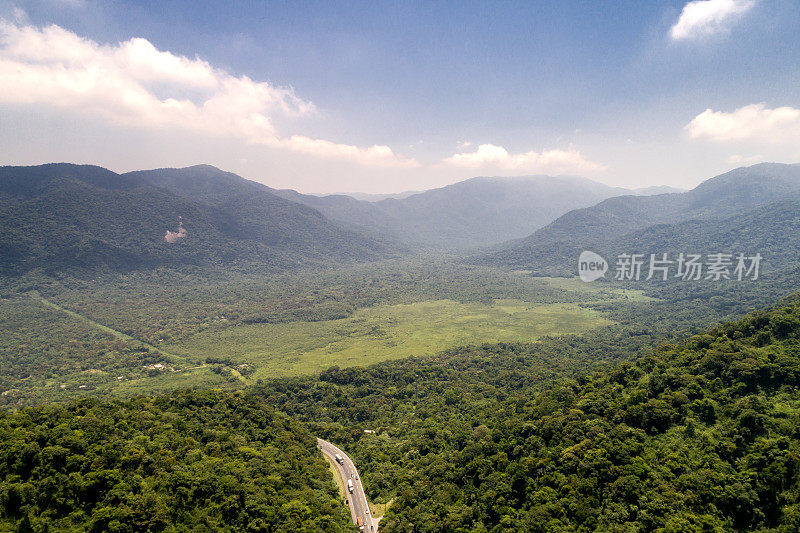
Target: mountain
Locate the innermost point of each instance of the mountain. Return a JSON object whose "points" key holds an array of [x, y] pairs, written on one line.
{"points": [[64, 216], [734, 192], [656, 189], [260, 213], [772, 230], [370, 197], [476, 212], [748, 206]]}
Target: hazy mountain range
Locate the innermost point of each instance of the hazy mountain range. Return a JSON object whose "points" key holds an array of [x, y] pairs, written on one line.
{"points": [[475, 212], [372, 197], [749, 210], [64, 216]]}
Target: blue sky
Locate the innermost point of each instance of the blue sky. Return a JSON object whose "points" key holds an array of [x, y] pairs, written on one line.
{"points": [[380, 97]]}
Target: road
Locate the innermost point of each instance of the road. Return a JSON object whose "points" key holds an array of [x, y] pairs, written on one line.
{"points": [[357, 501]]}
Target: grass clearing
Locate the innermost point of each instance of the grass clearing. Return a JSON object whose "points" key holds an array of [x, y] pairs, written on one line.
{"points": [[199, 377], [603, 289], [379, 509], [384, 332]]}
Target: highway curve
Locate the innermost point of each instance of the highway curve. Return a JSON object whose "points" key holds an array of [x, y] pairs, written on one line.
{"points": [[357, 500]]}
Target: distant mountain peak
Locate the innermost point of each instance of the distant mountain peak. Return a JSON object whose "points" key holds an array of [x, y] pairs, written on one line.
{"points": [[61, 217], [723, 197], [479, 211]]}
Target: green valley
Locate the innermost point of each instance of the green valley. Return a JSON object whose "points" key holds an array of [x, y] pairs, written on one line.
{"points": [[146, 387], [399, 267], [381, 333], [231, 331]]}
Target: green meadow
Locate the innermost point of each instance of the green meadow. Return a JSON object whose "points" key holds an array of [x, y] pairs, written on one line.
{"points": [[383, 332], [594, 290], [126, 336]]}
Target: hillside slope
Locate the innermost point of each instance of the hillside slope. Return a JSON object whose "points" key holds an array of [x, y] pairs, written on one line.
{"points": [[61, 217], [746, 210], [700, 436], [773, 230], [728, 194], [189, 461]]}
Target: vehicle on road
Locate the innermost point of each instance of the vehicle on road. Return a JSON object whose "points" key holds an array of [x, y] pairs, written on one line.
{"points": [[360, 523], [350, 485], [339, 459]]}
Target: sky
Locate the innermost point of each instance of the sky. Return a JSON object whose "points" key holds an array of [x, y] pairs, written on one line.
{"points": [[384, 97]]}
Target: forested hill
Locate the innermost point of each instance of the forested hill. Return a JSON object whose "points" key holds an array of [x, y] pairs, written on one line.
{"points": [[772, 230], [702, 436], [697, 436], [768, 228], [62, 217], [733, 193], [189, 461]]}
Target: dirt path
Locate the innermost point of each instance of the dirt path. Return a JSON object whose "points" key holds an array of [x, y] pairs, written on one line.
{"points": [[172, 358]]}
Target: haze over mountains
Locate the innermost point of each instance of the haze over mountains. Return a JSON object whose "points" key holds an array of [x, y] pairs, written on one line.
{"points": [[372, 197], [748, 209], [476, 212], [734, 192], [62, 216]]}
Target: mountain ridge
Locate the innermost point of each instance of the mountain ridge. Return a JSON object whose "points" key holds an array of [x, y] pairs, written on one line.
{"points": [[475, 212], [64, 216], [616, 222]]}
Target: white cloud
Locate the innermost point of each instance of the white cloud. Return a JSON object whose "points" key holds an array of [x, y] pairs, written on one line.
{"points": [[706, 17], [134, 84], [546, 161], [374, 155], [751, 123]]}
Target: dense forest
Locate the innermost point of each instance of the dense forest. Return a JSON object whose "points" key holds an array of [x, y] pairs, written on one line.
{"points": [[700, 435], [624, 407], [695, 436], [189, 461]]}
